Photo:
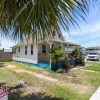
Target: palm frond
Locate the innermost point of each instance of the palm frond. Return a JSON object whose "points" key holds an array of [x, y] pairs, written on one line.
{"points": [[36, 17]]}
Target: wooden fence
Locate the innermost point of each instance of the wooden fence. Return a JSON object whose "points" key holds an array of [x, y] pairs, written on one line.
{"points": [[5, 56]]}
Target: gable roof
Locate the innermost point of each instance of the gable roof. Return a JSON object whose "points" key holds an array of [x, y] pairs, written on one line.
{"points": [[95, 47], [60, 39]]}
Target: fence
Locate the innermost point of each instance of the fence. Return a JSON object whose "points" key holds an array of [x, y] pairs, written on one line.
{"points": [[5, 56]]}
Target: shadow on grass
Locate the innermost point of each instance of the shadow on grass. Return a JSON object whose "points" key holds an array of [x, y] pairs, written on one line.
{"points": [[2, 84], [2, 65], [19, 86], [16, 93], [33, 96]]}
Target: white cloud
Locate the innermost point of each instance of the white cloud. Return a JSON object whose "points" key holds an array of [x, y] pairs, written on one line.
{"points": [[6, 43]]}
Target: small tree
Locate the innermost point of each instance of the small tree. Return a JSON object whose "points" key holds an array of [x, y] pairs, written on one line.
{"points": [[76, 53], [78, 56], [57, 55]]}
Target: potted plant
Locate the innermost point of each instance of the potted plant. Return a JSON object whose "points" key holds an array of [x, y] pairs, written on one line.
{"points": [[57, 56]]}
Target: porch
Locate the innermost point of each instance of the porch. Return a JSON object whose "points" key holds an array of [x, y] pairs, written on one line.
{"points": [[44, 49]]}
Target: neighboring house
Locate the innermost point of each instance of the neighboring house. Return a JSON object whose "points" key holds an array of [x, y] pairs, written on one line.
{"points": [[38, 52], [93, 53], [95, 49]]}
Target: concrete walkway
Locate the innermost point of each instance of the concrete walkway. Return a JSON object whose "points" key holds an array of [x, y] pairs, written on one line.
{"points": [[96, 95], [91, 71], [37, 75]]}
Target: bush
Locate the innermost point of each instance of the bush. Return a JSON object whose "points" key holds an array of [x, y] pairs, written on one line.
{"points": [[57, 56], [80, 62], [83, 63], [60, 70], [78, 56]]}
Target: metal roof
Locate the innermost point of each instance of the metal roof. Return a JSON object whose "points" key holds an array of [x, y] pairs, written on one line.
{"points": [[95, 47], [54, 40]]}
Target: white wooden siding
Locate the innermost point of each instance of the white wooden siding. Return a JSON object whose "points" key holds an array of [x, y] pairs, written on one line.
{"points": [[20, 56]]}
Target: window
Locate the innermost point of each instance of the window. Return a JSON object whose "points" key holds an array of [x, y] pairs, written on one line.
{"points": [[59, 47], [19, 49], [93, 53], [43, 48], [14, 50], [31, 49], [25, 50], [59, 35], [52, 46], [54, 33]]}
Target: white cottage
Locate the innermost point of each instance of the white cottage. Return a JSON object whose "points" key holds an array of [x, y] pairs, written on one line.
{"points": [[37, 52]]}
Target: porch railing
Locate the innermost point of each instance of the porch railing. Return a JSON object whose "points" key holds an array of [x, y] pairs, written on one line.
{"points": [[43, 57]]}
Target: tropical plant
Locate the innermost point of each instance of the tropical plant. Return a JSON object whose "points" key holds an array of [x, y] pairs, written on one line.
{"points": [[57, 55], [37, 17], [78, 55], [60, 70]]}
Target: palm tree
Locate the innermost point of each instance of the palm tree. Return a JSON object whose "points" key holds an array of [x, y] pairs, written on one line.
{"points": [[37, 17]]}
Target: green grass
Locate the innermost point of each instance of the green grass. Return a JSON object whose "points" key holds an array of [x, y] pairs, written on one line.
{"points": [[52, 89], [11, 78], [94, 67], [8, 77], [26, 67], [93, 79]]}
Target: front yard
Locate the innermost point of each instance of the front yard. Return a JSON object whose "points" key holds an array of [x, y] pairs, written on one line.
{"points": [[30, 83]]}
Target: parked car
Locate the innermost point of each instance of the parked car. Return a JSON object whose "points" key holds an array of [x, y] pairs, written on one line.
{"points": [[93, 56]]}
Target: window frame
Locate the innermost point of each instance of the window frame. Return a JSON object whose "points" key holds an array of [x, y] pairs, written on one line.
{"points": [[54, 33], [59, 35], [44, 48], [31, 49], [18, 49], [25, 50], [14, 50]]}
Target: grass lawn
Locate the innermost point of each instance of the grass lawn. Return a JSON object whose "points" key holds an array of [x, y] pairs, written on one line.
{"points": [[94, 66], [73, 85]]}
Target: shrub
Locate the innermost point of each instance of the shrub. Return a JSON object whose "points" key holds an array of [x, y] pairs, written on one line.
{"points": [[57, 55], [78, 56], [60, 70]]}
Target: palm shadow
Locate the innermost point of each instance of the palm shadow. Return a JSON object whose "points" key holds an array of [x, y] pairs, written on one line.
{"points": [[2, 65], [33, 96], [2, 84], [17, 95]]}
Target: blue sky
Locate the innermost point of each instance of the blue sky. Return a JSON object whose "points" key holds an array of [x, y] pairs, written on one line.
{"points": [[89, 35]]}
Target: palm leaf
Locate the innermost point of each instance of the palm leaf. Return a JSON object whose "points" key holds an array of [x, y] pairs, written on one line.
{"points": [[36, 18]]}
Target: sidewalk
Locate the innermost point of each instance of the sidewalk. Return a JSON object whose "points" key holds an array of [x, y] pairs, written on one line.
{"points": [[96, 95]]}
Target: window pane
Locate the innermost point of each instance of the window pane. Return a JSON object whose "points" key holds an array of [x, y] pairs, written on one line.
{"points": [[31, 52], [14, 50], [25, 50], [54, 33], [43, 51], [43, 46], [19, 49], [52, 46], [59, 35], [31, 47]]}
